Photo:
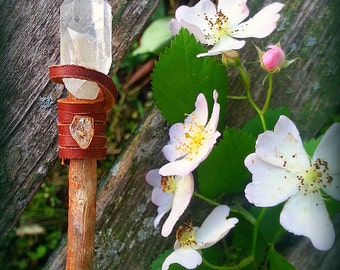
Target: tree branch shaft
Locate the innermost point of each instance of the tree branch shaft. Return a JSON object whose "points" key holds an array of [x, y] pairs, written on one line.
{"points": [[81, 214]]}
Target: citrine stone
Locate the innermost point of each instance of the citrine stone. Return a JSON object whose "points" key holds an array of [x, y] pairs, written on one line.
{"points": [[85, 29]]}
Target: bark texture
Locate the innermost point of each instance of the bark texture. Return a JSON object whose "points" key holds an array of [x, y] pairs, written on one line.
{"points": [[125, 237], [28, 112]]}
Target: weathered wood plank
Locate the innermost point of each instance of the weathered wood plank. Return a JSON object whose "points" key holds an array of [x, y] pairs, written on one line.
{"points": [[29, 44], [124, 233], [125, 236]]}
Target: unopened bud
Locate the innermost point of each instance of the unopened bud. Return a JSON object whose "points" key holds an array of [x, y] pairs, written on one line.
{"points": [[273, 59], [230, 58]]}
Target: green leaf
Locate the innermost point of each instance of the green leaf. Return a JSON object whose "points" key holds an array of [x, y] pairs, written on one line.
{"points": [[224, 171], [278, 262], [269, 227], [242, 243], [39, 253], [155, 37], [179, 76], [333, 206], [311, 145], [254, 125]]}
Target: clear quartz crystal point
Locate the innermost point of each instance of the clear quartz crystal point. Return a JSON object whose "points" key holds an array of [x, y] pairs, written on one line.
{"points": [[85, 40]]}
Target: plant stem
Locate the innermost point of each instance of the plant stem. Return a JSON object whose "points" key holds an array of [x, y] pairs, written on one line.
{"points": [[255, 231], [242, 264], [206, 199], [239, 210], [237, 97], [243, 212], [269, 93], [246, 83]]}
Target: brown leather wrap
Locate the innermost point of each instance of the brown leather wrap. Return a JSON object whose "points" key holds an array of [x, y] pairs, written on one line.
{"points": [[71, 106]]}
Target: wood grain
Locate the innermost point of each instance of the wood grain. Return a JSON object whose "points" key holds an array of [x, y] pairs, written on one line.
{"points": [[125, 237], [29, 45]]}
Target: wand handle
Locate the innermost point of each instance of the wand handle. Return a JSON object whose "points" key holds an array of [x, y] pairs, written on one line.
{"points": [[82, 213]]}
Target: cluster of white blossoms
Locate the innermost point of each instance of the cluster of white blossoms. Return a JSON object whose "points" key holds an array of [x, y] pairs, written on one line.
{"points": [[173, 185], [281, 169], [190, 143]]}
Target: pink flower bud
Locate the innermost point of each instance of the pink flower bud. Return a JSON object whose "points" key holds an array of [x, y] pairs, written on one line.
{"points": [[273, 59]]}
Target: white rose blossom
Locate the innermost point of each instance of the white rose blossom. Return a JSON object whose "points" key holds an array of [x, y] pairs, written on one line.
{"points": [[170, 193], [282, 170], [192, 141], [191, 239], [221, 27]]}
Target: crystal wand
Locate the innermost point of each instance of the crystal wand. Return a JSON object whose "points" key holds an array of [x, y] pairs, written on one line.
{"points": [[85, 55]]}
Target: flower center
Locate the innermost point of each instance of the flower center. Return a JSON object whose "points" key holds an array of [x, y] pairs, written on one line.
{"points": [[195, 141], [218, 27], [194, 136], [315, 178], [168, 183], [186, 235]]}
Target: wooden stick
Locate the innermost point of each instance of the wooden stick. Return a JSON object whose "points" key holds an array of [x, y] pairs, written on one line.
{"points": [[81, 214]]}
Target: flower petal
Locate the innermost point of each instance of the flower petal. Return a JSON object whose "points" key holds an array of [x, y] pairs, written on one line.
{"points": [[225, 44], [181, 200], [160, 198], [180, 167], [261, 25], [235, 10], [307, 215], [161, 210], [174, 26], [200, 115], [329, 148], [194, 18], [195, 30], [213, 122], [187, 257], [189, 163], [153, 178], [283, 147], [171, 153], [214, 227], [271, 185]]}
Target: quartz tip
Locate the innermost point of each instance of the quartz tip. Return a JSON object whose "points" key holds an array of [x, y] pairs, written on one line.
{"points": [[85, 40]]}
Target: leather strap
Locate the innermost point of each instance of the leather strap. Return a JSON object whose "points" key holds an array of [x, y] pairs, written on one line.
{"points": [[70, 106], [105, 83]]}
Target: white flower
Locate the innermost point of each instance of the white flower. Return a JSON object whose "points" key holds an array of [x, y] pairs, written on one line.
{"points": [[170, 193], [192, 141], [190, 239], [282, 170], [219, 27]]}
